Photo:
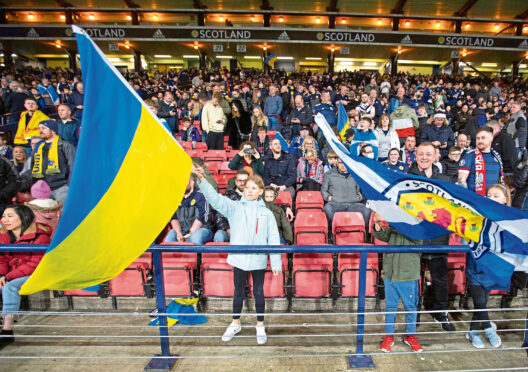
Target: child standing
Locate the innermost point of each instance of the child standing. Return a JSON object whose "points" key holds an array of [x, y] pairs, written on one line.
{"points": [[402, 272]]}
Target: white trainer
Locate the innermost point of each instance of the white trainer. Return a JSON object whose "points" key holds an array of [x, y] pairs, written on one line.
{"points": [[261, 335], [231, 331]]}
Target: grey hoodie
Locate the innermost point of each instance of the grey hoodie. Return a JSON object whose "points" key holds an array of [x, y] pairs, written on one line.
{"points": [[341, 187]]}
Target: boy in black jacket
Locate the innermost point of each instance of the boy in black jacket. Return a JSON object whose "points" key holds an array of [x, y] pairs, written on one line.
{"points": [[450, 165]]}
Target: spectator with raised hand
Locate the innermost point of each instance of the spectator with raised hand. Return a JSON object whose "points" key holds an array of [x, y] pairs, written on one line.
{"points": [[28, 126], [280, 169], [273, 107], [18, 227], [192, 220], [479, 284], [248, 156], [251, 224]]}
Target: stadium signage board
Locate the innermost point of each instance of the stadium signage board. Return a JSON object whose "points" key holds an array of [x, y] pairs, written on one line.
{"points": [[270, 35]]}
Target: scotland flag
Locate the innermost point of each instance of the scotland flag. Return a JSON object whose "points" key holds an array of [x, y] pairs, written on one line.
{"points": [[423, 208]]}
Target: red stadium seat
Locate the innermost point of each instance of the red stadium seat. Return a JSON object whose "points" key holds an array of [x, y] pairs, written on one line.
{"points": [[196, 153], [200, 146], [311, 227], [213, 166], [178, 271], [273, 285], [496, 292], [221, 180], [271, 134], [231, 154], [187, 146], [312, 274], [196, 123], [348, 267], [309, 200], [284, 198], [133, 280], [216, 274], [215, 155], [224, 168], [456, 272], [371, 229], [454, 239], [349, 228]]}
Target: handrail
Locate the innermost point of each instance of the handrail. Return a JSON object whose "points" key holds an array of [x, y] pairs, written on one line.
{"points": [[165, 360]]}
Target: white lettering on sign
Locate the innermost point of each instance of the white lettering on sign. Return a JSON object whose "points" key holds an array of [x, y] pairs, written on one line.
{"points": [[466, 41], [349, 36], [114, 33], [224, 34]]}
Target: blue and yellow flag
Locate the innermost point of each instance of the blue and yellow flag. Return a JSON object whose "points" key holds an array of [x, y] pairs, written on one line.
{"points": [[129, 177], [343, 123], [270, 60]]}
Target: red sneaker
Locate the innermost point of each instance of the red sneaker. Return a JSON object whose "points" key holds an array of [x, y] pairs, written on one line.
{"points": [[386, 343], [412, 341]]}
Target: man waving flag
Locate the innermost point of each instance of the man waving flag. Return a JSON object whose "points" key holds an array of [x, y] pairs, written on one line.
{"points": [[423, 208], [129, 176]]}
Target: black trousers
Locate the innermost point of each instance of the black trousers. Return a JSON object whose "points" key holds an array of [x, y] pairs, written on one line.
{"points": [[240, 278], [215, 140], [310, 185], [480, 297], [437, 266]]}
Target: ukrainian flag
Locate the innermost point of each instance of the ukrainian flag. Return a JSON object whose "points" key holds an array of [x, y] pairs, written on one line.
{"points": [[343, 122], [270, 60], [129, 177]]}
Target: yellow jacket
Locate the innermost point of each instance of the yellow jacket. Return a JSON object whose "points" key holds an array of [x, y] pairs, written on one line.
{"points": [[23, 133]]}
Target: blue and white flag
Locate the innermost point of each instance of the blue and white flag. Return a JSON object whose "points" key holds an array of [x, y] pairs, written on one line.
{"points": [[423, 208]]}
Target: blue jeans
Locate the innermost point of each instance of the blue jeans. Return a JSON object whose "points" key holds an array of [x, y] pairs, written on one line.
{"points": [[273, 123], [11, 297], [221, 236], [408, 292], [198, 237], [204, 136]]}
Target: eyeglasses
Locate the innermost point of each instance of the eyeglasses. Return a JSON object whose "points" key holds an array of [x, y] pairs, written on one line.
{"points": [[367, 152]]}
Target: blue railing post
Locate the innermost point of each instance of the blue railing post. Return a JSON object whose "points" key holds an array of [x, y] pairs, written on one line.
{"points": [[165, 360], [361, 360]]}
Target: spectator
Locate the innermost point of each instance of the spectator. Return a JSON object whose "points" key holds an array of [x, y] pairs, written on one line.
{"points": [[239, 98], [167, 110], [19, 227], [439, 134], [284, 226], [386, 136], [393, 161], [481, 168], [52, 160], [365, 108], [342, 96], [342, 193], [189, 133], [309, 172], [47, 211], [69, 129], [331, 161], [20, 157], [464, 142], [15, 101], [280, 169], [495, 90], [262, 141], [258, 120], [192, 220], [405, 122], [5, 150], [462, 118], [302, 144], [423, 118], [273, 107], [76, 102], [367, 151], [479, 284], [519, 181], [300, 116], [450, 164], [238, 125], [248, 156], [402, 273], [435, 262], [244, 217], [28, 126], [397, 100], [326, 109], [504, 145], [517, 127], [49, 95], [154, 108], [409, 151], [364, 136], [213, 122]]}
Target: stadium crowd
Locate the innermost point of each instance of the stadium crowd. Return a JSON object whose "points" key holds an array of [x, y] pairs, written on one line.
{"points": [[468, 130]]}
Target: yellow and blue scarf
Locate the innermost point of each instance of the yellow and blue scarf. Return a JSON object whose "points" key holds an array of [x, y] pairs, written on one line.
{"points": [[53, 159]]}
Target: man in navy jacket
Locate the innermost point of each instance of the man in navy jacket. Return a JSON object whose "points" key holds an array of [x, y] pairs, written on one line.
{"points": [[280, 169]]}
